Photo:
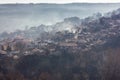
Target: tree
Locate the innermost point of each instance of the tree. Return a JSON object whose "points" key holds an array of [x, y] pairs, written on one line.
{"points": [[8, 48], [111, 65]]}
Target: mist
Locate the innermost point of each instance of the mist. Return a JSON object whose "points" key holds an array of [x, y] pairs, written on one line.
{"points": [[18, 16]]}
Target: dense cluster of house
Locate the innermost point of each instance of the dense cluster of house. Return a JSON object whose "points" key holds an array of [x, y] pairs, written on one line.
{"points": [[79, 41]]}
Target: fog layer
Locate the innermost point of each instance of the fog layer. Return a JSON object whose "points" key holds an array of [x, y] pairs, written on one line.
{"points": [[18, 16]]}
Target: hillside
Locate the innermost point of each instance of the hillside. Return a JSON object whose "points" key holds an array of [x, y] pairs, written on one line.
{"points": [[73, 49]]}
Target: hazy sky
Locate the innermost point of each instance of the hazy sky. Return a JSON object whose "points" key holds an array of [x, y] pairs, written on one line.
{"points": [[57, 1]]}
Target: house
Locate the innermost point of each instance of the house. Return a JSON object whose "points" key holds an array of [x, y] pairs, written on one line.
{"points": [[3, 52], [68, 44]]}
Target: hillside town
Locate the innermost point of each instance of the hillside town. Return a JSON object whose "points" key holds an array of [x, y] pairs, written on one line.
{"points": [[77, 40]]}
